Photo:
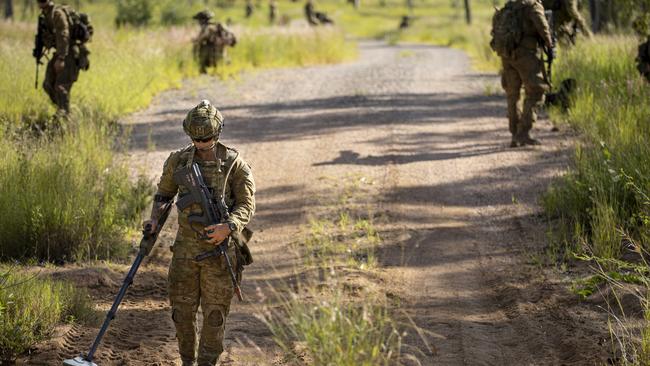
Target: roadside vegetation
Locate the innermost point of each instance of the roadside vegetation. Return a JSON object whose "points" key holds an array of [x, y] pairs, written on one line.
{"points": [[334, 315], [31, 307]]}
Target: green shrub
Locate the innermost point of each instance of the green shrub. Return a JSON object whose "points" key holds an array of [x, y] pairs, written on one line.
{"points": [[133, 12], [605, 194], [334, 332], [30, 307], [66, 198], [174, 13]]}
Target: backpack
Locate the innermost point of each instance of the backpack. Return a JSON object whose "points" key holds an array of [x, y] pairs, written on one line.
{"points": [[80, 27], [507, 28]]}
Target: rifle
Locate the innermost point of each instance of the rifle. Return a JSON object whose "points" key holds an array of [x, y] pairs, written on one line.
{"points": [[39, 46], [550, 53], [214, 212], [149, 238]]}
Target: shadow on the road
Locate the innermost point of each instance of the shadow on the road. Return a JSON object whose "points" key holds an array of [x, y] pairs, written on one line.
{"points": [[319, 117]]}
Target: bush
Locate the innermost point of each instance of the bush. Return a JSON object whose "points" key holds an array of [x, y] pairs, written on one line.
{"points": [[605, 195], [133, 12], [67, 197], [174, 13], [30, 307]]}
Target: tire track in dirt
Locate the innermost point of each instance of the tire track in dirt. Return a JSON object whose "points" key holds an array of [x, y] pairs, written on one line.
{"points": [[461, 208]]}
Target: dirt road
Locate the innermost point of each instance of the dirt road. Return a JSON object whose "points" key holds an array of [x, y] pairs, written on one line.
{"points": [[463, 222]]}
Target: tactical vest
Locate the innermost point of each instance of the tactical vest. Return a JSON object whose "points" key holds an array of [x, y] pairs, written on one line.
{"points": [[218, 177]]}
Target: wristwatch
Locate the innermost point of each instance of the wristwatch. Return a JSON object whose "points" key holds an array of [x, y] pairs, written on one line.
{"points": [[232, 226]]}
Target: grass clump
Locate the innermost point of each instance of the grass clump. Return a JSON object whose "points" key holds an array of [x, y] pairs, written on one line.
{"points": [[605, 195], [30, 308], [330, 318], [68, 198], [332, 331]]}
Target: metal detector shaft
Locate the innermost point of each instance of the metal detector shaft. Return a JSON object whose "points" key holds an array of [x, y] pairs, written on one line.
{"points": [[111, 314], [149, 237]]}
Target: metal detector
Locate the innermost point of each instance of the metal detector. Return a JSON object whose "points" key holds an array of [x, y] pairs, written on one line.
{"points": [[148, 240]]}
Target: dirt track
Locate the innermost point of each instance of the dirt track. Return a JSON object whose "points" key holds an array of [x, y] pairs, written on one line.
{"points": [[463, 220]]}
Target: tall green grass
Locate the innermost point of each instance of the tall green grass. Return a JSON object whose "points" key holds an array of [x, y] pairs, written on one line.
{"points": [[605, 195], [333, 331], [31, 306]]}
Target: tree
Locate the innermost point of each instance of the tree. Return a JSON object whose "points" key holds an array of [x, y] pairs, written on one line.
{"points": [[468, 12]]}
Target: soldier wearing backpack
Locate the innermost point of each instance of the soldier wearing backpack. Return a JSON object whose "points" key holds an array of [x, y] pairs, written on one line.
{"points": [[519, 33], [65, 30], [210, 45]]}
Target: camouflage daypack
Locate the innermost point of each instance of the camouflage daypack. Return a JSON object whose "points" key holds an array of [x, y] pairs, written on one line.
{"points": [[507, 28], [81, 29]]}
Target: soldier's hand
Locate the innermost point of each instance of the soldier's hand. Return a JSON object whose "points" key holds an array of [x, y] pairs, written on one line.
{"points": [[59, 64], [217, 233]]}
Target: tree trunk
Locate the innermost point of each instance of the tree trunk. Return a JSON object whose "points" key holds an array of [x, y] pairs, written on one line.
{"points": [[9, 9], [468, 12]]}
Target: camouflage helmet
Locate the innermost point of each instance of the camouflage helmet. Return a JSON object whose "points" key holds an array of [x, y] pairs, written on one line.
{"points": [[203, 121], [203, 15]]}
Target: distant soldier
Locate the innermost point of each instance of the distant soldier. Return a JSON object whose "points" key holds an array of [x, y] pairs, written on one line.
{"points": [[309, 13], [519, 31], [273, 11], [210, 45], [63, 29], [567, 19], [249, 8], [641, 26], [405, 22]]}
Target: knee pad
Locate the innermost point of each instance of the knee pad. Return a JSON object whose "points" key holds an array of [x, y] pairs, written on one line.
{"points": [[216, 319]]}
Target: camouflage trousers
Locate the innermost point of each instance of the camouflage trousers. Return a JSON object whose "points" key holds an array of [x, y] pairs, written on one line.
{"points": [[206, 284], [210, 56], [58, 85], [525, 69]]}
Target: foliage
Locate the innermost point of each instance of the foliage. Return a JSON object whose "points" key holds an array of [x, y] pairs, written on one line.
{"points": [[133, 12], [606, 192], [333, 332], [30, 307]]}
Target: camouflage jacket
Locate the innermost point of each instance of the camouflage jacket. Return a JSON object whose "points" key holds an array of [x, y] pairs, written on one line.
{"points": [[216, 35], [56, 33], [566, 14], [238, 186], [534, 25]]}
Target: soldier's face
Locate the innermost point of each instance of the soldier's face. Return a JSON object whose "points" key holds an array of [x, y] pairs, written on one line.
{"points": [[203, 145]]}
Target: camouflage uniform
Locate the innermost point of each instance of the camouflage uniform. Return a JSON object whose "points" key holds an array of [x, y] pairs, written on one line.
{"points": [[206, 283], [273, 11], [566, 19], [56, 34], [643, 59], [309, 13], [210, 45], [526, 67]]}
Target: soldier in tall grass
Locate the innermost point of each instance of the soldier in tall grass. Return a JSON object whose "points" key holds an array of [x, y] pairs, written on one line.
{"points": [[61, 28]]}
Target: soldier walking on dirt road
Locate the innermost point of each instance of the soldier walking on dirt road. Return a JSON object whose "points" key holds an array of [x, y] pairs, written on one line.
{"points": [[205, 283], [519, 31]]}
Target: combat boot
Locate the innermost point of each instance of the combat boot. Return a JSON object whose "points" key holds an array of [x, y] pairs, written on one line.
{"points": [[185, 362]]}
